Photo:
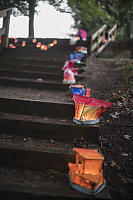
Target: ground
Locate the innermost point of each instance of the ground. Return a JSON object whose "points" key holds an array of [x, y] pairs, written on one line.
{"points": [[111, 80], [108, 82]]}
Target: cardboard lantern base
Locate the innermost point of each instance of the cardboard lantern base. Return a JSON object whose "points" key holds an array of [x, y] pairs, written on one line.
{"points": [[86, 190], [85, 122], [69, 81]]}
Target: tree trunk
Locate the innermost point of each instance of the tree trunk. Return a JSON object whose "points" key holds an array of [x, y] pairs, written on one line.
{"points": [[31, 18]]}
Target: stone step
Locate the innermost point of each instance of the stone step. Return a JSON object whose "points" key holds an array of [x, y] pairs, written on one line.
{"points": [[36, 107], [39, 185], [31, 67], [59, 129], [35, 75], [37, 68], [30, 60], [39, 84]]}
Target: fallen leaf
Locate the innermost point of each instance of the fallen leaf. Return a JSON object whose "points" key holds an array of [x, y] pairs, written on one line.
{"points": [[45, 118], [40, 80], [124, 154], [113, 163], [63, 120], [127, 137]]}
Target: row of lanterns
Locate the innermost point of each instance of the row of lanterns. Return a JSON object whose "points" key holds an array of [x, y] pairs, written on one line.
{"points": [[86, 174], [87, 110], [34, 41]]}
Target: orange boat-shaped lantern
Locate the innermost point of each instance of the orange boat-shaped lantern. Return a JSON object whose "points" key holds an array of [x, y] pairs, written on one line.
{"points": [[88, 110], [86, 175]]}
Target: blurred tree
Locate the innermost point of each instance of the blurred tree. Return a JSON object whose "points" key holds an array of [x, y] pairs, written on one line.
{"points": [[88, 14], [27, 8], [91, 14]]}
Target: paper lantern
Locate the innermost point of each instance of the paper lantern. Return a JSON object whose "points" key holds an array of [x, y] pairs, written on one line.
{"points": [[55, 42], [86, 175], [51, 44], [11, 46], [76, 57], [88, 110], [15, 41], [42, 46], [23, 43], [81, 49], [68, 64], [82, 33], [80, 90], [45, 47], [0, 39], [78, 38], [34, 40], [38, 45], [68, 77]]}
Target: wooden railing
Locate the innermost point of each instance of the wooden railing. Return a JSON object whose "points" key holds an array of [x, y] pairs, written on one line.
{"points": [[98, 41], [112, 33], [5, 29]]}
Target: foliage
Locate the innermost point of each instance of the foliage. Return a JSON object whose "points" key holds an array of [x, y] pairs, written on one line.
{"points": [[88, 14], [91, 14]]}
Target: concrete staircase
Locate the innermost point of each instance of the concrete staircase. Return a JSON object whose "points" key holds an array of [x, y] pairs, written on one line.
{"points": [[36, 132]]}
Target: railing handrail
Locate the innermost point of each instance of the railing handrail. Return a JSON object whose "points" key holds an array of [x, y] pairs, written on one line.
{"points": [[94, 35], [3, 12], [112, 29], [99, 41]]}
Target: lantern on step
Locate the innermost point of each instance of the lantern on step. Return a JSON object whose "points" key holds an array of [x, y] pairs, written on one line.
{"points": [[86, 175], [55, 42], [80, 90], [78, 38], [23, 43], [15, 41], [34, 40], [42, 46], [76, 57], [68, 77], [45, 47], [11, 46], [88, 110], [51, 44], [38, 45], [81, 49]]}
